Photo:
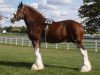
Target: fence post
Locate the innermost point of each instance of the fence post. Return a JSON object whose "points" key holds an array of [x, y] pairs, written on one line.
{"points": [[22, 41], [1, 40], [46, 45], [5, 40], [29, 44], [10, 41], [67, 46], [16, 42], [95, 45], [56, 46]]}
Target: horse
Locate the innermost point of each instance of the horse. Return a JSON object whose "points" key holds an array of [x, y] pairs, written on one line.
{"points": [[56, 32]]}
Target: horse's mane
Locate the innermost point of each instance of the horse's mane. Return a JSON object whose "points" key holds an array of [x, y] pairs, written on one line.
{"points": [[34, 10]]}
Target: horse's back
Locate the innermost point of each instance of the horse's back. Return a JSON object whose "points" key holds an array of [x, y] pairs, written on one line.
{"points": [[71, 26], [67, 30]]}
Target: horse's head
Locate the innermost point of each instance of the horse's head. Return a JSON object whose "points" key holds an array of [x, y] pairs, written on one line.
{"points": [[19, 14]]}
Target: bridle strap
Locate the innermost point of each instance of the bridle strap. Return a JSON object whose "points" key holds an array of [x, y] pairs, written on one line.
{"points": [[23, 9]]}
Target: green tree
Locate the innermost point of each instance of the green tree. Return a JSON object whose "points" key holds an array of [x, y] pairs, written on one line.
{"points": [[23, 30], [90, 10], [1, 16], [9, 29]]}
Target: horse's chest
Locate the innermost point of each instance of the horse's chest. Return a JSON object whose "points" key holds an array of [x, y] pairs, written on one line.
{"points": [[34, 34]]}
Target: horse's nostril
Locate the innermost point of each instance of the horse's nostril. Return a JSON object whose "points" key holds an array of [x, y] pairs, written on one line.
{"points": [[12, 20]]}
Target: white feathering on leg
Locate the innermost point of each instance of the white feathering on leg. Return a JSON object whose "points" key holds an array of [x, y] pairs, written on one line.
{"points": [[86, 63], [38, 65]]}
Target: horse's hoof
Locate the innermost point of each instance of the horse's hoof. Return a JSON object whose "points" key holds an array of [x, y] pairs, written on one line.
{"points": [[85, 68], [36, 67]]}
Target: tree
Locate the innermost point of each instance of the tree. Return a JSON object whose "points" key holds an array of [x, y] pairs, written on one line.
{"points": [[23, 30], [9, 29], [0, 22], [90, 10], [1, 16]]}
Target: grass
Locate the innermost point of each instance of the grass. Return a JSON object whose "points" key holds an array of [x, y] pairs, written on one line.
{"points": [[1, 34], [17, 60], [12, 35]]}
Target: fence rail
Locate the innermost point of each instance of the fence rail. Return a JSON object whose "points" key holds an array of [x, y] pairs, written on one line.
{"points": [[94, 44]]}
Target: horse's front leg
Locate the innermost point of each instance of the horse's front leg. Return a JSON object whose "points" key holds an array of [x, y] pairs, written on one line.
{"points": [[38, 65]]}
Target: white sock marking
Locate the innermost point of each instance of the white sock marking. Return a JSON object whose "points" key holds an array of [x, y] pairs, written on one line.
{"points": [[86, 63], [38, 61]]}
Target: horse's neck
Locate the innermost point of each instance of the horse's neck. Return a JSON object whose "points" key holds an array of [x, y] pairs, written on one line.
{"points": [[32, 24], [32, 19]]}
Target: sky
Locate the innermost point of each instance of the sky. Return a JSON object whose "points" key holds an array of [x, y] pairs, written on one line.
{"points": [[55, 9]]}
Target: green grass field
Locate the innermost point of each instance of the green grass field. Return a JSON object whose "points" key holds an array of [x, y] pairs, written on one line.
{"points": [[17, 60]]}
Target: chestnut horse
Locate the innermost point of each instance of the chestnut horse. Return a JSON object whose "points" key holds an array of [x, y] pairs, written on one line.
{"points": [[67, 30]]}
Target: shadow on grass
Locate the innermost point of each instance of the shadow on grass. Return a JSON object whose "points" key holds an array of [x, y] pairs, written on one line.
{"points": [[16, 64], [56, 66], [28, 65]]}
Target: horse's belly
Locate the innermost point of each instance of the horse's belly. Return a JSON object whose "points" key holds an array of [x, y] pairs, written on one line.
{"points": [[53, 39]]}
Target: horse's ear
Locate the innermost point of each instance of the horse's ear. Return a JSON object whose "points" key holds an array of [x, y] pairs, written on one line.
{"points": [[21, 4]]}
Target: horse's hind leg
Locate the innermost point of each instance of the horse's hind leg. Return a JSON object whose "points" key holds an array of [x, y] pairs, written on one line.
{"points": [[86, 66]]}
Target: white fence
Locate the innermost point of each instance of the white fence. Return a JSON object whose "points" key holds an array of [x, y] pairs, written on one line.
{"points": [[94, 44], [15, 41]]}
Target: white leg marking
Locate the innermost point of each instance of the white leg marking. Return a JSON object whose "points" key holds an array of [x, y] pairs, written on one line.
{"points": [[38, 65], [86, 67]]}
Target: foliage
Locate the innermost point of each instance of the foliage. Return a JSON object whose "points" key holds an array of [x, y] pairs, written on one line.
{"points": [[90, 10], [23, 30], [11, 29], [1, 16]]}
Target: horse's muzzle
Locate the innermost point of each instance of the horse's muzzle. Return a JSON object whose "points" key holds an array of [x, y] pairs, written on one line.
{"points": [[12, 20]]}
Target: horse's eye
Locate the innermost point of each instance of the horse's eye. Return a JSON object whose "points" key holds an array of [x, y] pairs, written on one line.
{"points": [[18, 10]]}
